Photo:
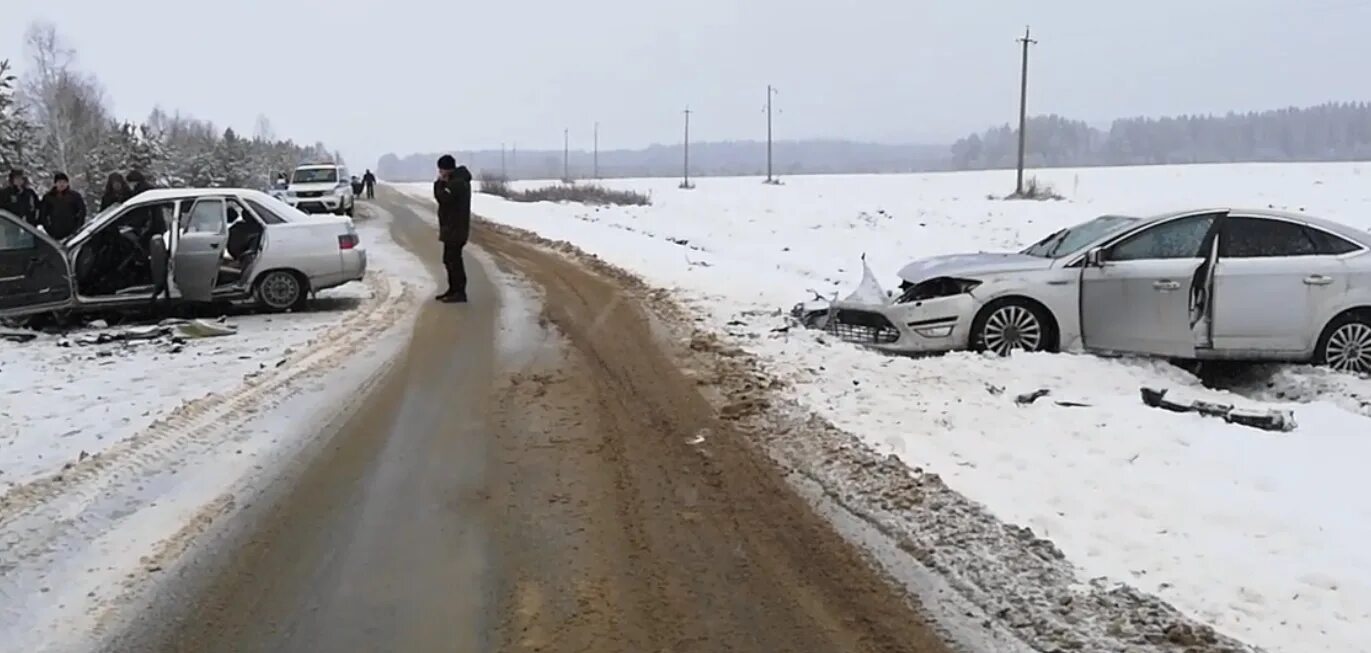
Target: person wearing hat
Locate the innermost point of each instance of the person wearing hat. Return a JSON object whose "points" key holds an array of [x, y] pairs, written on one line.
{"points": [[63, 210], [452, 189], [17, 198]]}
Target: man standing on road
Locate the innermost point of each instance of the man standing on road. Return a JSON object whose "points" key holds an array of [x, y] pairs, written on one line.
{"points": [[19, 199], [369, 183], [62, 210], [452, 189]]}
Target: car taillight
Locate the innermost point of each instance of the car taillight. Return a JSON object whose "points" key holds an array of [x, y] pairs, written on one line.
{"points": [[347, 241]]}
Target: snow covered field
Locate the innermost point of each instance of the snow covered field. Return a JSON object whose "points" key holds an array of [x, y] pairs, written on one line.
{"points": [[115, 457], [1261, 535]]}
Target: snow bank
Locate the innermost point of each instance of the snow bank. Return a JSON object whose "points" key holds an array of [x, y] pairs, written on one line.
{"points": [[1260, 534]]}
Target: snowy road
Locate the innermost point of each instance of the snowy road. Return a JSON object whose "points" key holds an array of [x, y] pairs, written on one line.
{"points": [[560, 486], [1257, 534], [117, 459]]}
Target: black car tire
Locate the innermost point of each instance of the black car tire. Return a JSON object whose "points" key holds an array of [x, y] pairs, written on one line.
{"points": [[281, 290], [1024, 322], [1345, 344]]}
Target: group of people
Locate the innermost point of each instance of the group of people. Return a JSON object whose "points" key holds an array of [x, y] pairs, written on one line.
{"points": [[61, 211]]}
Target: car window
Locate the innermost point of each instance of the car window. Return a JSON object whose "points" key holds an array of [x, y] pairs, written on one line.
{"points": [[1329, 245], [14, 237], [1263, 238], [315, 175], [264, 214], [1179, 238], [206, 217]]}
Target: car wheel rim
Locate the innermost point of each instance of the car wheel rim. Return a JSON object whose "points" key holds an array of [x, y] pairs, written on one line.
{"points": [[1349, 348], [1012, 327], [280, 290]]}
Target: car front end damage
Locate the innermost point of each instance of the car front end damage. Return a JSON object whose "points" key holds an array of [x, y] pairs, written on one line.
{"points": [[930, 316]]}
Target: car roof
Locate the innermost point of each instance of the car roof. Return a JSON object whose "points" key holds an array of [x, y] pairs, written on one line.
{"points": [[170, 194], [307, 166], [1359, 236]]}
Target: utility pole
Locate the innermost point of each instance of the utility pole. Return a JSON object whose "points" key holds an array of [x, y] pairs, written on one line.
{"points": [[566, 156], [514, 158], [769, 92], [685, 177], [504, 170], [595, 161], [1027, 40]]}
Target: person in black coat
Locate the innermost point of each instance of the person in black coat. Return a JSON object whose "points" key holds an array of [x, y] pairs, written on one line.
{"points": [[452, 189], [369, 183], [17, 198], [117, 191], [148, 220], [62, 210]]}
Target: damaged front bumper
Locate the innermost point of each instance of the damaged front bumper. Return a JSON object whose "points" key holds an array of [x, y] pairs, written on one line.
{"points": [[931, 316], [932, 325]]}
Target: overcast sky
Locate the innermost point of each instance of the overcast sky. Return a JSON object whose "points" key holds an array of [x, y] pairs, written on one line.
{"points": [[410, 75]]}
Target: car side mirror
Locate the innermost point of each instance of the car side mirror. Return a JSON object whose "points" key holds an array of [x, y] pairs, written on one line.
{"points": [[1095, 258]]}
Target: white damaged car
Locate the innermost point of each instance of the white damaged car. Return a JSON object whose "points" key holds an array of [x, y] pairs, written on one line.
{"points": [[1204, 284]]}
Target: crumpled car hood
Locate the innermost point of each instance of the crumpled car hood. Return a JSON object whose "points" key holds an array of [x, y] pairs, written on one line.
{"points": [[971, 265]]}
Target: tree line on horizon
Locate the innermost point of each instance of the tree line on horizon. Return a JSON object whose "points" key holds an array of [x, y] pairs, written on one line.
{"points": [[55, 118], [1327, 132]]}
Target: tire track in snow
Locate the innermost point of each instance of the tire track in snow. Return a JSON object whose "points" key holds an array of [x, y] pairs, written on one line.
{"points": [[39, 517]]}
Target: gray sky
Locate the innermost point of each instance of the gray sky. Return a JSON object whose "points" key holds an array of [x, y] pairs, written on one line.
{"points": [[410, 75]]}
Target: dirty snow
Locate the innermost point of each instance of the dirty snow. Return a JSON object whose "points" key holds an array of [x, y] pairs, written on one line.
{"points": [[115, 458], [1259, 534]]}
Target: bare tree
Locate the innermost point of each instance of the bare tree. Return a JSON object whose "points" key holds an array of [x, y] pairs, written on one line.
{"points": [[67, 106]]}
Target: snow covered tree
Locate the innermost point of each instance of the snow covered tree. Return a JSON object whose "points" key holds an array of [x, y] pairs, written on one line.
{"points": [[17, 136]]}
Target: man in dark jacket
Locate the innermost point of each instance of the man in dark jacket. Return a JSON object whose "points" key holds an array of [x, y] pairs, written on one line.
{"points": [[62, 210], [452, 189], [19, 199], [369, 183], [147, 220]]}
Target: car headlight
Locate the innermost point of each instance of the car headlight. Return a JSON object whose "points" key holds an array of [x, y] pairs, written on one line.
{"points": [[289, 193]]}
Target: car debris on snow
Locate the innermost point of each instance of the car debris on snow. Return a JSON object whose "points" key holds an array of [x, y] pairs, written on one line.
{"points": [[1270, 419], [17, 336], [177, 330], [1030, 397]]}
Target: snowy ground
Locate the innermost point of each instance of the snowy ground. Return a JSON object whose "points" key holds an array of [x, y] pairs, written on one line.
{"points": [[1260, 534], [114, 458]]}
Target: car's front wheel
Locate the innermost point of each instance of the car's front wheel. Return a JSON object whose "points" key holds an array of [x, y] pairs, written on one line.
{"points": [[1346, 343], [281, 290], [1006, 325]]}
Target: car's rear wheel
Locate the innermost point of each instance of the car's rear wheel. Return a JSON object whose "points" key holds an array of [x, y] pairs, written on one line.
{"points": [[1006, 325], [281, 290], [1346, 343]]}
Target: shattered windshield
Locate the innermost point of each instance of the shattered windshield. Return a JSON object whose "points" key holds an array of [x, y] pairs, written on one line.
{"points": [[315, 175], [1072, 239]]}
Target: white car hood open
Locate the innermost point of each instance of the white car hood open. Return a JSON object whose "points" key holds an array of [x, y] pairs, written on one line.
{"points": [[971, 266]]}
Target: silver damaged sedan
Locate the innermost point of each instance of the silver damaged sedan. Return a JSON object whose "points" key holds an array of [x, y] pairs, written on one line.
{"points": [[1205, 284]]}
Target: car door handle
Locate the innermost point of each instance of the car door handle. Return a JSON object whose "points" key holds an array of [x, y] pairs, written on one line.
{"points": [[1166, 285], [214, 245], [1317, 280]]}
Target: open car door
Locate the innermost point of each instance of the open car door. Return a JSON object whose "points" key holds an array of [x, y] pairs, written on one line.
{"points": [[202, 232], [1149, 293], [35, 275]]}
